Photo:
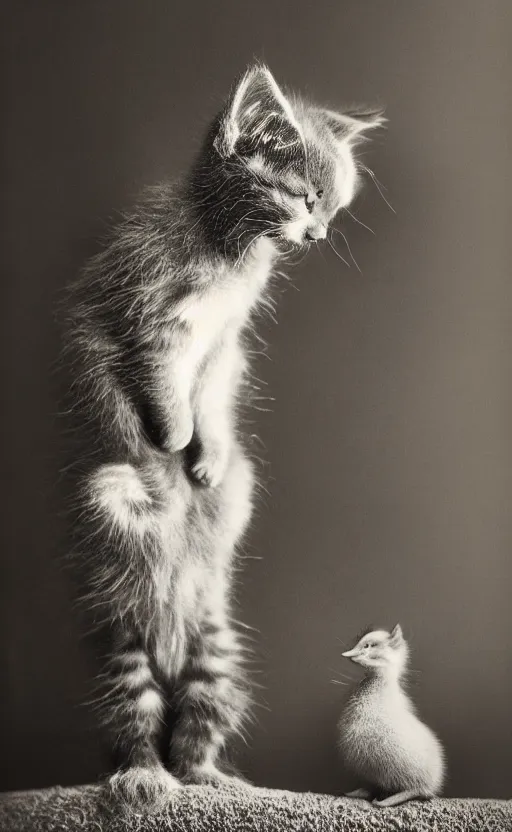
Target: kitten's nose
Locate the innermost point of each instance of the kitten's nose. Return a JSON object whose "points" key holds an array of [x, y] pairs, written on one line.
{"points": [[316, 232]]}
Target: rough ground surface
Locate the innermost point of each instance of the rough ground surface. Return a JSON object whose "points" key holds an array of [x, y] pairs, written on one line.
{"points": [[204, 809]]}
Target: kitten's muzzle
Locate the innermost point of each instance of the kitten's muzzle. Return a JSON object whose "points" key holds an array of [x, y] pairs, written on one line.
{"points": [[316, 232]]}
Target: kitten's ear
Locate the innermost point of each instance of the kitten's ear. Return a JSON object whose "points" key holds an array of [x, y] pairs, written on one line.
{"points": [[353, 125], [258, 117], [396, 634]]}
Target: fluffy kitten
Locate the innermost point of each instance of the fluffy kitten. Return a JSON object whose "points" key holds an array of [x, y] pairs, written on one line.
{"points": [[156, 330], [383, 741]]}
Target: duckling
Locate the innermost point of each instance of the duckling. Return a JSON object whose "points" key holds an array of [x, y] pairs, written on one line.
{"points": [[397, 757]]}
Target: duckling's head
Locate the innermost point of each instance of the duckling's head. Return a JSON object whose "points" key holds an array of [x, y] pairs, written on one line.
{"points": [[380, 649]]}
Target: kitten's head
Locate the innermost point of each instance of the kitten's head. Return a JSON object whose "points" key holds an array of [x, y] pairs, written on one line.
{"points": [[380, 649], [277, 166]]}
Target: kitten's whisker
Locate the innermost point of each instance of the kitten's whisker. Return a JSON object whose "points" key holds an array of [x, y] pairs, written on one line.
{"points": [[337, 252], [359, 222], [337, 230], [378, 185], [343, 675], [249, 244]]}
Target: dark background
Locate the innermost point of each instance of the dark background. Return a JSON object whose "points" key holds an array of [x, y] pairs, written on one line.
{"points": [[388, 446]]}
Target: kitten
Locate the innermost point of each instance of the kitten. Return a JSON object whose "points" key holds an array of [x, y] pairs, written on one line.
{"points": [[383, 741], [156, 331]]}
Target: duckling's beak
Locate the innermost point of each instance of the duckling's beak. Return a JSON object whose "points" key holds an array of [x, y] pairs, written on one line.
{"points": [[349, 654]]}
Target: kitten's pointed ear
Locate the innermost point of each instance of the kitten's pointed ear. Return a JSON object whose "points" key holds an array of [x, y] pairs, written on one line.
{"points": [[258, 117], [396, 633], [353, 125]]}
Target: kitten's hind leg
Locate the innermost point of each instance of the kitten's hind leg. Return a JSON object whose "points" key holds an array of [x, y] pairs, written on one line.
{"points": [[121, 550], [210, 704], [132, 709], [402, 797]]}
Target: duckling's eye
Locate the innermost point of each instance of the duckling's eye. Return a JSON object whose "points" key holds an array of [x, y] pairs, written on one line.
{"points": [[320, 193]]}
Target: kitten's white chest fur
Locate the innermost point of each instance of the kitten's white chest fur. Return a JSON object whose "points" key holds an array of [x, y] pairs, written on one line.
{"points": [[228, 303], [199, 376]]}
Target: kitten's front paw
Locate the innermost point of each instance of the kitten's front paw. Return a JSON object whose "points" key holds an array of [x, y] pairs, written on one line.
{"points": [[180, 432], [148, 788], [210, 465]]}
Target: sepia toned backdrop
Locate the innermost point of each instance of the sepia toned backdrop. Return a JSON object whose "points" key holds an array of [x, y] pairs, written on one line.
{"points": [[386, 453]]}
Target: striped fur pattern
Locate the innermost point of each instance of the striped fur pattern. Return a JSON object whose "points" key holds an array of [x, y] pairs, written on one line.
{"points": [[384, 742], [157, 327]]}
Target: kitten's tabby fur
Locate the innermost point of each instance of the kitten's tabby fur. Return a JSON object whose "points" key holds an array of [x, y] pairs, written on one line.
{"points": [[156, 329]]}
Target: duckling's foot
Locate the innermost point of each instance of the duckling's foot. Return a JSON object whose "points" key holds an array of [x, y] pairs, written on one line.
{"points": [[402, 797], [360, 794]]}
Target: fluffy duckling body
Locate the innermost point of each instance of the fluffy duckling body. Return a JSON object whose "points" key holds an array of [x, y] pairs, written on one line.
{"points": [[395, 755]]}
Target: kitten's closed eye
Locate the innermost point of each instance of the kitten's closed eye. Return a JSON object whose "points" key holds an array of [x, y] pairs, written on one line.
{"points": [[309, 200], [292, 193]]}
